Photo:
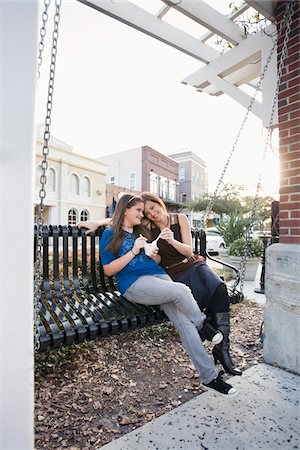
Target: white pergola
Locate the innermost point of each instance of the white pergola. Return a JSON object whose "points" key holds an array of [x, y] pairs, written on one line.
{"points": [[19, 23], [219, 72]]}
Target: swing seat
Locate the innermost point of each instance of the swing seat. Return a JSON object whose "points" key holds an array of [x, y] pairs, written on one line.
{"points": [[78, 301]]}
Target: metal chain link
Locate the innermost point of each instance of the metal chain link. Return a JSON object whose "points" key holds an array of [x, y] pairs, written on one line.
{"points": [[43, 35], [258, 86], [286, 21], [43, 178]]}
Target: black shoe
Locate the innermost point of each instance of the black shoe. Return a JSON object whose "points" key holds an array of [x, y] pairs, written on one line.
{"points": [[221, 354], [210, 333], [219, 385]]}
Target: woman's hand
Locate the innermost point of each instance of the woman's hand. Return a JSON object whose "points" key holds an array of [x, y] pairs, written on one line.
{"points": [[139, 243], [93, 225], [167, 235]]}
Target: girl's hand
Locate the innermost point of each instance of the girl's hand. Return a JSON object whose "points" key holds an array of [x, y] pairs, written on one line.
{"points": [[151, 250], [167, 235], [138, 244]]}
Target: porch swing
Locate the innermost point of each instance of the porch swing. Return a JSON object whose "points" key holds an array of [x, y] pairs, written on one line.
{"points": [[73, 305]]}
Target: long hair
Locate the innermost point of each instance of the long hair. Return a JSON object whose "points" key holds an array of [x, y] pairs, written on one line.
{"points": [[127, 201]]}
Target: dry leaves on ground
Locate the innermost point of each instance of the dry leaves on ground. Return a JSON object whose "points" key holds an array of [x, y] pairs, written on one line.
{"points": [[92, 393]]}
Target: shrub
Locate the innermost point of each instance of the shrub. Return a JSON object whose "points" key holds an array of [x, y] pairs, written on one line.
{"points": [[252, 248], [233, 228]]}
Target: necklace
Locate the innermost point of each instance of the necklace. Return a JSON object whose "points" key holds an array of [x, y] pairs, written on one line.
{"points": [[128, 229]]}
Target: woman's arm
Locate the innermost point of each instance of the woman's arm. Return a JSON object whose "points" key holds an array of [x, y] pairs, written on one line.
{"points": [[185, 247], [93, 225]]}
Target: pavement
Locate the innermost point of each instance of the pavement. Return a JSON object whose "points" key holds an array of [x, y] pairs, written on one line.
{"points": [[264, 414]]}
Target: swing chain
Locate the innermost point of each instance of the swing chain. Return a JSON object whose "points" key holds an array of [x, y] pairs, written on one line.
{"points": [[258, 86], [43, 178], [288, 22], [43, 35]]}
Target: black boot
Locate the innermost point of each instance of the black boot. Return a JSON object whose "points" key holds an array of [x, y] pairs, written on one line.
{"points": [[221, 351]]}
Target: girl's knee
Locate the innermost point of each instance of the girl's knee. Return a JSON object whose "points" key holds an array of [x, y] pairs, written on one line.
{"points": [[183, 289]]}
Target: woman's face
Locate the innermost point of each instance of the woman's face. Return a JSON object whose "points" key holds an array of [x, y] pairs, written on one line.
{"points": [[153, 211], [134, 215]]}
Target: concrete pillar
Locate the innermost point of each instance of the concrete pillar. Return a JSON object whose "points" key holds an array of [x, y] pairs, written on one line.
{"points": [[18, 62], [282, 312]]}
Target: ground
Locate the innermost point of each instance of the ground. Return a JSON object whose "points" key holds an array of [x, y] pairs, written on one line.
{"points": [[90, 394]]}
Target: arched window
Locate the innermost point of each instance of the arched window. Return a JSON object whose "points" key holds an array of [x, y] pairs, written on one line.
{"points": [[72, 217], [86, 187], [51, 180], [74, 184], [84, 215]]}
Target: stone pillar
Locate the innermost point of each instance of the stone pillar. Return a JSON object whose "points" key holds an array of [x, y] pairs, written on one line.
{"points": [[282, 312]]}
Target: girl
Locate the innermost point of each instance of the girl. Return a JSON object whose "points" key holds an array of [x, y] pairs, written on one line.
{"points": [[176, 251], [142, 280]]}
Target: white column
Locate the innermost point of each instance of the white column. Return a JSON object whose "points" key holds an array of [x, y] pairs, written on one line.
{"points": [[18, 48]]}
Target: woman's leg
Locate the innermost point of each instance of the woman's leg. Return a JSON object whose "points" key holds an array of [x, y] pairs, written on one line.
{"points": [[219, 312], [160, 289]]}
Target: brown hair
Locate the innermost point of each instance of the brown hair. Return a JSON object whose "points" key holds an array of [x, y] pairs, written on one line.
{"points": [[127, 201], [149, 197]]}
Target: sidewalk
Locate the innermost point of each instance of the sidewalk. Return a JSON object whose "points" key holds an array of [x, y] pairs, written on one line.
{"points": [[263, 415]]}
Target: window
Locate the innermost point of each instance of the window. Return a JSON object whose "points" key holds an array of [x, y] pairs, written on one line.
{"points": [[112, 180], [163, 187], [172, 190], [84, 215], [132, 184], [74, 184], [72, 217], [51, 180], [181, 174], [153, 183], [86, 187]]}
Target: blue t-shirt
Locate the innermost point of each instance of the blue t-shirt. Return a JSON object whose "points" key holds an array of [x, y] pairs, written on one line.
{"points": [[139, 266]]}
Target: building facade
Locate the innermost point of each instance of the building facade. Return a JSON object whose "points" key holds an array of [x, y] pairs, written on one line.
{"points": [[144, 169], [193, 181], [76, 187]]}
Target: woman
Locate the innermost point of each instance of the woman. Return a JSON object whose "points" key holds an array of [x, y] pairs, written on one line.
{"points": [[176, 251], [141, 280]]}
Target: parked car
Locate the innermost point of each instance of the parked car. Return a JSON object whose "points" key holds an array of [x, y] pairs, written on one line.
{"points": [[214, 241]]}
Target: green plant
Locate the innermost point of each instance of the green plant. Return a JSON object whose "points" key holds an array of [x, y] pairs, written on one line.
{"points": [[233, 228], [252, 248]]}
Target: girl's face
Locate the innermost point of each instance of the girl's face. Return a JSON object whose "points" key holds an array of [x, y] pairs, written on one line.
{"points": [[133, 216], [153, 211]]}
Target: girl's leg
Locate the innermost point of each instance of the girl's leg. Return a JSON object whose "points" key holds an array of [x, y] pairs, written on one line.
{"points": [[160, 289], [192, 342]]}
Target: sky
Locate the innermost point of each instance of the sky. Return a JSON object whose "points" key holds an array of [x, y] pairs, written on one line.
{"points": [[117, 88]]}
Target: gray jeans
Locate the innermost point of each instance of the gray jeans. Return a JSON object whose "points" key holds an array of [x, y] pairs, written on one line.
{"points": [[182, 310]]}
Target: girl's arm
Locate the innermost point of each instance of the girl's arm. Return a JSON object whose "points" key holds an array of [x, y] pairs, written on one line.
{"points": [[93, 225], [118, 264], [185, 247]]}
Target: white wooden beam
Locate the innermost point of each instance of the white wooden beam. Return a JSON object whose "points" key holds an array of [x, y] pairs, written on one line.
{"points": [[265, 7], [237, 78], [237, 94], [230, 16], [245, 53], [210, 18], [141, 20]]}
